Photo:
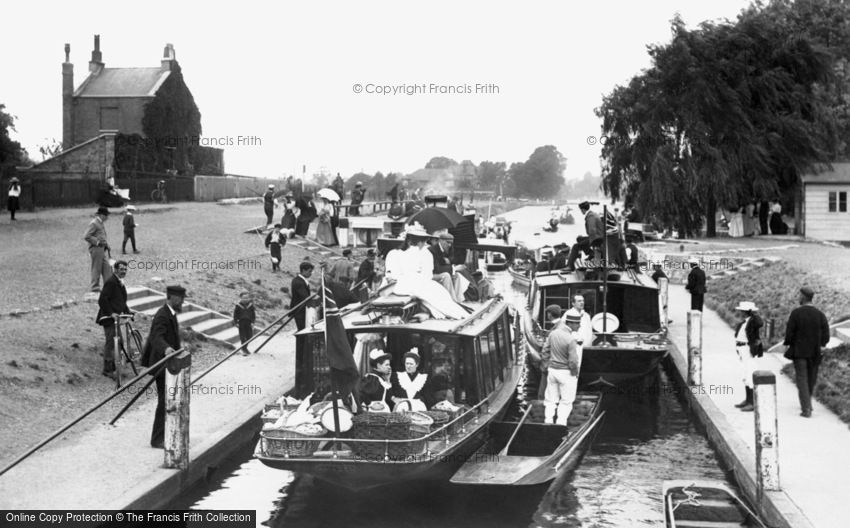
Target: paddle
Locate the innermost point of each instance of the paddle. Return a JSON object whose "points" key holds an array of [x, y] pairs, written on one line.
{"points": [[504, 452]]}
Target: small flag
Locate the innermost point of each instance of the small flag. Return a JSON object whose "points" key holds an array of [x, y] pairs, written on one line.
{"points": [[344, 373], [612, 227]]}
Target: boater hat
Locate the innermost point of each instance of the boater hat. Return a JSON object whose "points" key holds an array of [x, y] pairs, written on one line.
{"points": [[747, 306], [176, 290]]}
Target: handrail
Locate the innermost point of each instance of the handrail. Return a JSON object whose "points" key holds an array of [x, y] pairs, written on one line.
{"points": [[91, 410]]}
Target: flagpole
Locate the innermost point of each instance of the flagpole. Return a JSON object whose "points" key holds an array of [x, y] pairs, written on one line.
{"points": [[605, 276], [330, 370]]}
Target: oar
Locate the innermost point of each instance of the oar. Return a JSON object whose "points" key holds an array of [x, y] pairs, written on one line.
{"points": [[504, 452]]}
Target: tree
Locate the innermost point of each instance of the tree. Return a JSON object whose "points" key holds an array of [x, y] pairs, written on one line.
{"points": [[50, 149], [542, 175], [11, 152], [726, 113], [491, 174], [440, 162]]}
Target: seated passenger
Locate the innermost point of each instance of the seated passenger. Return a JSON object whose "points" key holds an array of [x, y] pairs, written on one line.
{"points": [[408, 386], [376, 385], [581, 247], [441, 250], [440, 383], [414, 277]]}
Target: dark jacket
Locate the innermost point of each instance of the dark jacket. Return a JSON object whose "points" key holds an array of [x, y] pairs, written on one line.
{"points": [[366, 271], [806, 332], [268, 200], [696, 282], [754, 324], [442, 263], [165, 332], [129, 223], [357, 196], [113, 299], [299, 290], [242, 312]]}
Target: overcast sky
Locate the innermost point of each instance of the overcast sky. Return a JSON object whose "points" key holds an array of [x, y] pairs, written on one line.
{"points": [[285, 73]]}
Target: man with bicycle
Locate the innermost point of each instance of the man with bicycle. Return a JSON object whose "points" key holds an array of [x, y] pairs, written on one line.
{"points": [[112, 302]]}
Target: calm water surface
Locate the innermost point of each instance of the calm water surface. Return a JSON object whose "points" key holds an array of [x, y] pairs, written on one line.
{"points": [[647, 437]]}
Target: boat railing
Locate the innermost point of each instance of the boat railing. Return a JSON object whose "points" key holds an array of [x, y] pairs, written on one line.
{"points": [[444, 433]]}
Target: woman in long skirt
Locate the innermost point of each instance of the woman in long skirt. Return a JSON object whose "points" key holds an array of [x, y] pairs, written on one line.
{"points": [[324, 231], [288, 220]]}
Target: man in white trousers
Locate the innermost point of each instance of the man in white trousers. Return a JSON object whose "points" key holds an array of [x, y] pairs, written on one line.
{"points": [[560, 363]]}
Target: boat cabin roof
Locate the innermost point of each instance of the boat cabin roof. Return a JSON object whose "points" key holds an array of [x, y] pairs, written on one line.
{"points": [[369, 318], [627, 278]]}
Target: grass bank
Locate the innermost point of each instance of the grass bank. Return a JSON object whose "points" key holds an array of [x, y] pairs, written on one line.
{"points": [[774, 289]]}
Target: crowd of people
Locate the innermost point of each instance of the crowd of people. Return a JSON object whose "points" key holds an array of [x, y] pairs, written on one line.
{"points": [[756, 218]]}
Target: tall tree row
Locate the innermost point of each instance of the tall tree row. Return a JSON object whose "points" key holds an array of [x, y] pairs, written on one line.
{"points": [[728, 113]]}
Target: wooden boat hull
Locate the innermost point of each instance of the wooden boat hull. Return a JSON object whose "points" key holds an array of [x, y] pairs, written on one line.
{"points": [[439, 462], [519, 278], [535, 462], [705, 504]]}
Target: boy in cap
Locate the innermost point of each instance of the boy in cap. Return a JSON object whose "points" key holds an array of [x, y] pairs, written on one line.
{"points": [[274, 242], [748, 346], [806, 332], [98, 248], [560, 364], [130, 226], [244, 317]]}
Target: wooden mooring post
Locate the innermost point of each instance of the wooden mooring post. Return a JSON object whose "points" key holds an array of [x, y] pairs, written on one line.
{"points": [[663, 284], [767, 432], [694, 348], [178, 384]]}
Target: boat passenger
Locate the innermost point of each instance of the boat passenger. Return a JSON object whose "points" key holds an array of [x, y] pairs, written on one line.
{"points": [[444, 273], [414, 277], [408, 387], [393, 263], [376, 385], [561, 365], [585, 330]]}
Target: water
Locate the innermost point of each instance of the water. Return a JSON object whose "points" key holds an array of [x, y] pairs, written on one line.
{"points": [[647, 437]]}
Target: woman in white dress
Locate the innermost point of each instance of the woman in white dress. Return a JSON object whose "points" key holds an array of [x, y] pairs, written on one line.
{"points": [[414, 277], [324, 230], [736, 223]]}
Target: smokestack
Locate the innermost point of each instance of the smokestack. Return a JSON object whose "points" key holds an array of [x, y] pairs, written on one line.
{"points": [[67, 100], [169, 57], [96, 62]]}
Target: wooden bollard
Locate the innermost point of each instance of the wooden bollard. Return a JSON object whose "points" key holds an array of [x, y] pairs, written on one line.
{"points": [[694, 348], [177, 388], [663, 284], [767, 435]]}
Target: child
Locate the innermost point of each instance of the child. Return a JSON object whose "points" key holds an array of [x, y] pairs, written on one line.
{"points": [[244, 317], [274, 241], [130, 226]]}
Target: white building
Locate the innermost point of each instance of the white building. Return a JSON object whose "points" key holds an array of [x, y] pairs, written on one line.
{"points": [[825, 210]]}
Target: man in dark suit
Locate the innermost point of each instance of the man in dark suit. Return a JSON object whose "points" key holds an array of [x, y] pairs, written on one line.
{"points": [[806, 332], [595, 234], [696, 284], [164, 338], [268, 204], [299, 290], [366, 273], [111, 302]]}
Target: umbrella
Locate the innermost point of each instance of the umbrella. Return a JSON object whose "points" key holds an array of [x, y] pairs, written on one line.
{"points": [[436, 218], [328, 194]]}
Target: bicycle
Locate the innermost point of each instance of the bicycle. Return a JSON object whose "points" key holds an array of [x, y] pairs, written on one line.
{"points": [[158, 195], [123, 354]]}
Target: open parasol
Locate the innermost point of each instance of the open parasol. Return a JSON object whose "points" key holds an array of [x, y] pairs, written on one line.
{"points": [[328, 194], [436, 218]]}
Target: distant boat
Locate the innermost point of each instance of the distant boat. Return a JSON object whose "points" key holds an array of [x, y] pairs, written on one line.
{"points": [[705, 504]]}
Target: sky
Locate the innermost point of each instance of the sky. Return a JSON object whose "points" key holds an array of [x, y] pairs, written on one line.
{"points": [[344, 86]]}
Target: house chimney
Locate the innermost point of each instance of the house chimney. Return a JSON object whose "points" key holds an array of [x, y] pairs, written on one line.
{"points": [[96, 62], [67, 100], [168, 58]]}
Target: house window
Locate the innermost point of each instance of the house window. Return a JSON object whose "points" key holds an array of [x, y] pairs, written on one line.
{"points": [[838, 202]]}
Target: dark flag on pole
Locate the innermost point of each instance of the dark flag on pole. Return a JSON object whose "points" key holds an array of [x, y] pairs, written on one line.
{"points": [[612, 226], [344, 373]]}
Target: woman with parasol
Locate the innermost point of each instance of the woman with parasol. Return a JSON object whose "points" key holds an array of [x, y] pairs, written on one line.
{"points": [[14, 196], [325, 233]]}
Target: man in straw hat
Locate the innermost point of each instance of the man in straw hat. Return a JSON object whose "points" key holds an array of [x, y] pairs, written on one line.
{"points": [[748, 346], [95, 236], [696, 284], [806, 332], [164, 338], [560, 364]]}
